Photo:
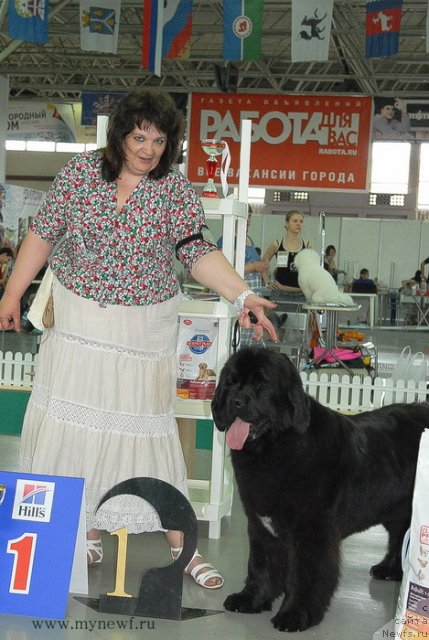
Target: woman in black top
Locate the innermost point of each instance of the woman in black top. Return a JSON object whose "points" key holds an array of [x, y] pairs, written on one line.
{"points": [[285, 250]]}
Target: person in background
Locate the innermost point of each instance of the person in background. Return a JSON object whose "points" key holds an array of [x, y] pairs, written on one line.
{"points": [[422, 268], [6, 259], [364, 284], [392, 121], [416, 279], [253, 268], [329, 262], [103, 399], [286, 275]]}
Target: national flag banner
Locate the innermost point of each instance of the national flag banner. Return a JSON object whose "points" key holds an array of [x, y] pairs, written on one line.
{"points": [[311, 30], [383, 23], [153, 24], [99, 25], [177, 31], [28, 21], [242, 29]]}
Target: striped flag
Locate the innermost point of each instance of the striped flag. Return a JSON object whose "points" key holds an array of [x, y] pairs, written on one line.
{"points": [[383, 23], [99, 25], [153, 23], [28, 20], [176, 34], [242, 29], [311, 30]]}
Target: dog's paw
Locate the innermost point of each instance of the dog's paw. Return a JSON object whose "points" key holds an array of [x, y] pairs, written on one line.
{"points": [[244, 603], [298, 619], [385, 572], [293, 620]]}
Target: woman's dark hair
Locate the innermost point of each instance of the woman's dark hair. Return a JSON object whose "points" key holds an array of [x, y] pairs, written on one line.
{"points": [[418, 276], [140, 108]]}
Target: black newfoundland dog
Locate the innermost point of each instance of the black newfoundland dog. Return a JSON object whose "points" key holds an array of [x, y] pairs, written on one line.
{"points": [[308, 477]]}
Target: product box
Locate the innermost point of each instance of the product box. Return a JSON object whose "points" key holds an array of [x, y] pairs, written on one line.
{"points": [[197, 347]]}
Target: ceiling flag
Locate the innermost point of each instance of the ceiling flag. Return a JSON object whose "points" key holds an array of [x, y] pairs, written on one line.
{"points": [[176, 35], [242, 29], [99, 25], [383, 23], [28, 20], [311, 30], [153, 23]]}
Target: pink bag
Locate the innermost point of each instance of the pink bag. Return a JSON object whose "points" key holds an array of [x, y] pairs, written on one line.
{"points": [[342, 354]]}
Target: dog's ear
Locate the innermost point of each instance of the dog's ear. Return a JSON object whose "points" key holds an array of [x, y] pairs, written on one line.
{"points": [[301, 410], [217, 403], [298, 416]]}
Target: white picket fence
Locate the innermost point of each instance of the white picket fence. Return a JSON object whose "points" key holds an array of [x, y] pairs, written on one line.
{"points": [[17, 369], [342, 393], [357, 393]]}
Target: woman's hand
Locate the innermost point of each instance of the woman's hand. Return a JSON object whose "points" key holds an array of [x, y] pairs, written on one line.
{"points": [[274, 285], [10, 313], [261, 266], [256, 305]]}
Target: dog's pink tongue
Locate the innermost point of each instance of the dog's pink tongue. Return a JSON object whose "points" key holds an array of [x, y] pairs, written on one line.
{"points": [[237, 433]]}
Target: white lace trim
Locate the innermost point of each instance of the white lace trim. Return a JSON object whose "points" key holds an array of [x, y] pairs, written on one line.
{"points": [[145, 521], [106, 347], [132, 512], [59, 410]]}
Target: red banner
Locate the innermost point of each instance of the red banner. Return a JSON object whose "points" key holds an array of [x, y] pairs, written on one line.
{"points": [[301, 142]]}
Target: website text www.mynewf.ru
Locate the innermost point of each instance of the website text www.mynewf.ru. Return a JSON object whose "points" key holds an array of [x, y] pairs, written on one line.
{"points": [[94, 625]]}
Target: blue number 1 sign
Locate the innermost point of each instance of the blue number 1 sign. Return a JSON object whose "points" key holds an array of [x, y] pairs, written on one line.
{"points": [[39, 520]]}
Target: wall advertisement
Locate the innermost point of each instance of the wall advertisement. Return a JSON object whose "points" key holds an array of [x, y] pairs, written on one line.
{"points": [[303, 142]]}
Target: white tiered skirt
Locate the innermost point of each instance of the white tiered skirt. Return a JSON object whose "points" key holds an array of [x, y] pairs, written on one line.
{"points": [[102, 405]]}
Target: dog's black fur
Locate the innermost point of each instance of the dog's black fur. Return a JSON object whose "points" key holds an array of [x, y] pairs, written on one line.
{"points": [[308, 477]]}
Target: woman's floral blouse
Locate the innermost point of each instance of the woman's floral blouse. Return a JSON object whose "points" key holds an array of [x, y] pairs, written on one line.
{"points": [[119, 258]]}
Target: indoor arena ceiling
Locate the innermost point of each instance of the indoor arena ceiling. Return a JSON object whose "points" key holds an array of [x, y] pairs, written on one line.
{"points": [[60, 70]]}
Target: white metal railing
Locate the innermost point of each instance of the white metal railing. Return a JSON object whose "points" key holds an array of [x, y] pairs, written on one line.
{"points": [[17, 369]]}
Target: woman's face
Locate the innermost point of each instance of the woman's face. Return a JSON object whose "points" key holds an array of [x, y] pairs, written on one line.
{"points": [[143, 149], [295, 223], [388, 111]]}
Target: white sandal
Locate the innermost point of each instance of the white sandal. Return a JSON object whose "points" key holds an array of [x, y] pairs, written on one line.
{"points": [[200, 577], [94, 552]]}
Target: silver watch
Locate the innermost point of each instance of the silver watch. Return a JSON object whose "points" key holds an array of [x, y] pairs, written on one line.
{"points": [[239, 301]]}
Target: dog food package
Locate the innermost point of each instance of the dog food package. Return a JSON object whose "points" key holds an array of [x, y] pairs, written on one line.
{"points": [[197, 347], [412, 614]]}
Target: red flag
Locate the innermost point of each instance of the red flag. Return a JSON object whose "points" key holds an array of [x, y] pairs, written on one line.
{"points": [[383, 23]]}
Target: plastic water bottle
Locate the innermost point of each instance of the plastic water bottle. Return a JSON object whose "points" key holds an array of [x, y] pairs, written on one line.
{"points": [[423, 287]]}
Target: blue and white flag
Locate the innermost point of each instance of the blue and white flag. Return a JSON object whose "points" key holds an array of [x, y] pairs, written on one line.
{"points": [[99, 25], [311, 30], [28, 20]]}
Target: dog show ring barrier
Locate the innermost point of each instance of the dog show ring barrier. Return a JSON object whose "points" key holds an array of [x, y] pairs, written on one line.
{"points": [[356, 394]]}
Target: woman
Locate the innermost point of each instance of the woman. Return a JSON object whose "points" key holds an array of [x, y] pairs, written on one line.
{"points": [[329, 262], [285, 250], [102, 405]]}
